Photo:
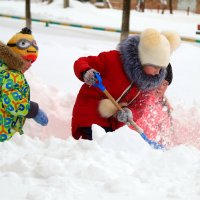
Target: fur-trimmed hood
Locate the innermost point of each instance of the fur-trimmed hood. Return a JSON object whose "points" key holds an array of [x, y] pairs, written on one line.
{"points": [[10, 58], [131, 62]]}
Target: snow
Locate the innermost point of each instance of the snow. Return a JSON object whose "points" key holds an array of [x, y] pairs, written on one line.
{"points": [[46, 163]]}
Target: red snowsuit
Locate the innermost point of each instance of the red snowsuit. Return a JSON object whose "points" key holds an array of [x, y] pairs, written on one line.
{"points": [[152, 115], [85, 112]]}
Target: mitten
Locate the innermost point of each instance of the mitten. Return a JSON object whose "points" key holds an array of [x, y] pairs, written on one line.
{"points": [[41, 118], [89, 77], [125, 115]]}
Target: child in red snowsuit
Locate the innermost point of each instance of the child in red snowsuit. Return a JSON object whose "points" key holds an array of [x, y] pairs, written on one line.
{"points": [[138, 65]]}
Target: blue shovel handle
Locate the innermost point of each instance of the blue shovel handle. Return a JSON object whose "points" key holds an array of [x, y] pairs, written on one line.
{"points": [[99, 83], [154, 144]]}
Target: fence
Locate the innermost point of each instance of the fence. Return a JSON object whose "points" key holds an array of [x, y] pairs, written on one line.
{"points": [[48, 22]]}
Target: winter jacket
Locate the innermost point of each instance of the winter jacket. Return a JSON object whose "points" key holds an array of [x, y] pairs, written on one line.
{"points": [[152, 115], [118, 68], [85, 111], [14, 93], [14, 102]]}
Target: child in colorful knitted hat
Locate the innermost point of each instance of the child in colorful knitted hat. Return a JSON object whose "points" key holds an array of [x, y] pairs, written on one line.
{"points": [[15, 106]]}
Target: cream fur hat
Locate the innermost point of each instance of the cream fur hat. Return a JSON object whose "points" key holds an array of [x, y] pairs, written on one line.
{"points": [[155, 48]]}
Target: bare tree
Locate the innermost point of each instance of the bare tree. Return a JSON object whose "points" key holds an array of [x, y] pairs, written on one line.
{"points": [[93, 1], [50, 1], [108, 3], [188, 10], [125, 19], [171, 6], [140, 5], [66, 3], [28, 13]]}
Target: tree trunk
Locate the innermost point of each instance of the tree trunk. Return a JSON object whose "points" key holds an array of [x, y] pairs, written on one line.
{"points": [[93, 1], [170, 7], [125, 19], [66, 3], [142, 5], [28, 13], [108, 3], [50, 1]]}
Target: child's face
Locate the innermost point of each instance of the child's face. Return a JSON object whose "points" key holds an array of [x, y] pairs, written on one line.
{"points": [[24, 45], [160, 91], [151, 70]]}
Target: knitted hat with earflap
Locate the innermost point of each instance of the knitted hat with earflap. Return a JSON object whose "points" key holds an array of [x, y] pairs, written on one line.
{"points": [[155, 48], [24, 44], [169, 75]]}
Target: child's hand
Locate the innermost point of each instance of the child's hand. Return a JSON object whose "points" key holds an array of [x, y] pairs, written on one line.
{"points": [[41, 118], [124, 115], [89, 77]]}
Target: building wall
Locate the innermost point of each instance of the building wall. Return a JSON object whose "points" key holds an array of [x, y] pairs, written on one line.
{"points": [[118, 4], [154, 4], [198, 7], [184, 4], [150, 4]]}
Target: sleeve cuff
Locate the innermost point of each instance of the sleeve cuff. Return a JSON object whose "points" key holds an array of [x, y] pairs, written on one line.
{"points": [[33, 111]]}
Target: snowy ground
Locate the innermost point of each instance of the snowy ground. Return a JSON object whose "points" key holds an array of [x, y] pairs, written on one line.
{"points": [[114, 166]]}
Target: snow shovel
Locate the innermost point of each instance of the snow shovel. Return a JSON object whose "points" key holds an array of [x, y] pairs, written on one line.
{"points": [[100, 85]]}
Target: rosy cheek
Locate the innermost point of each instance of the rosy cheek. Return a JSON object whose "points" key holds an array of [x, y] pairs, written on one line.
{"points": [[149, 72]]}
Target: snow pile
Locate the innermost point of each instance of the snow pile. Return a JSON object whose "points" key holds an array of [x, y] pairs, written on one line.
{"points": [[119, 166], [52, 165]]}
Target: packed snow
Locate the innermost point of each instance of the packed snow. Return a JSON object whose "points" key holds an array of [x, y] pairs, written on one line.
{"points": [[46, 163]]}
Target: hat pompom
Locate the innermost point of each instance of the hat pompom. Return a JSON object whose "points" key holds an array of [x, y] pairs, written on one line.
{"points": [[106, 108], [173, 38], [26, 30], [154, 48], [150, 37]]}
